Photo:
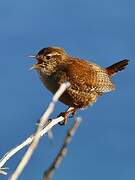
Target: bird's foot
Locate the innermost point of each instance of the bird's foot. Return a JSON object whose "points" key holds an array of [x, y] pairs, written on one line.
{"points": [[65, 115]]}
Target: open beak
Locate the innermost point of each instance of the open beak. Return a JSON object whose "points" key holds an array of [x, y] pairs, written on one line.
{"points": [[32, 56], [34, 66]]}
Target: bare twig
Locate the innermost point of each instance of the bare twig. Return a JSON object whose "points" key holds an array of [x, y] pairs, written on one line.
{"points": [[2, 171], [48, 174], [37, 135], [28, 141]]}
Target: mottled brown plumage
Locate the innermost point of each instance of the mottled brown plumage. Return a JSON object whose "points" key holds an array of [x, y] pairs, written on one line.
{"points": [[88, 80]]}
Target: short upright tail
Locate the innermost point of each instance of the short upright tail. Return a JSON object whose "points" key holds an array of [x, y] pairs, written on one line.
{"points": [[113, 69]]}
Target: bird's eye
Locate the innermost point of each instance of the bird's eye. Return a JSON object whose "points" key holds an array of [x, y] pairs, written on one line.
{"points": [[48, 57]]}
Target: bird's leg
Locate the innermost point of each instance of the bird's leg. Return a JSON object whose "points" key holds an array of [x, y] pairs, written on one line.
{"points": [[66, 114]]}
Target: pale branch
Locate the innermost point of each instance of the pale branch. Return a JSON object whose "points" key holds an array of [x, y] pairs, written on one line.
{"points": [[45, 128], [25, 143], [2, 171], [61, 154], [37, 136]]}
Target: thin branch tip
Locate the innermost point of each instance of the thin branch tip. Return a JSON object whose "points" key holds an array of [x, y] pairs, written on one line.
{"points": [[37, 135], [63, 150]]}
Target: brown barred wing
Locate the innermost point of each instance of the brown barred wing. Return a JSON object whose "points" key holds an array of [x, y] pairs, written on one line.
{"points": [[89, 77]]}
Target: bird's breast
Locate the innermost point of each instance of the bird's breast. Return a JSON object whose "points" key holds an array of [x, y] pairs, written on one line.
{"points": [[50, 82]]}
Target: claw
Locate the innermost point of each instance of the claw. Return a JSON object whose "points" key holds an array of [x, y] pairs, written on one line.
{"points": [[66, 114]]}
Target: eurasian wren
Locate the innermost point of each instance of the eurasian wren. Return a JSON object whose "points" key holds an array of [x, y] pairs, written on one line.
{"points": [[88, 80]]}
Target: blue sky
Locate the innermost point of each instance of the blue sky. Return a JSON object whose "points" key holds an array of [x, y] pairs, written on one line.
{"points": [[101, 31]]}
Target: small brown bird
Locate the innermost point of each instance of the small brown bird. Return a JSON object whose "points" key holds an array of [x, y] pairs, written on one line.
{"points": [[87, 80]]}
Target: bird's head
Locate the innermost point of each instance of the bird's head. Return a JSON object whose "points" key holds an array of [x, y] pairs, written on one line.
{"points": [[49, 59]]}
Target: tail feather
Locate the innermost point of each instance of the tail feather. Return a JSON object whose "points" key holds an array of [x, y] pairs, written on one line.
{"points": [[113, 69]]}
